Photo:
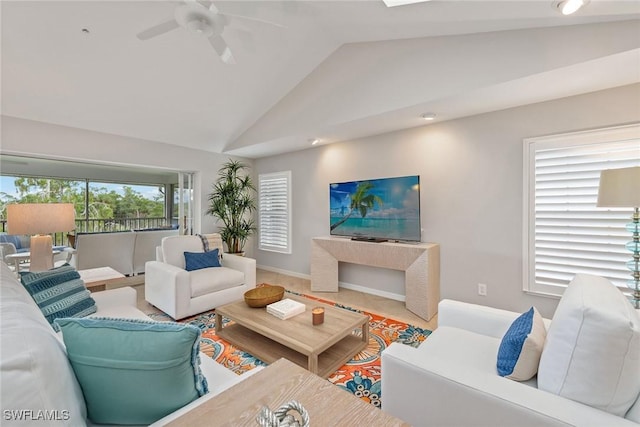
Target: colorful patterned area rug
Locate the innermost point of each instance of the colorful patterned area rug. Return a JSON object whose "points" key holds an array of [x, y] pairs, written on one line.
{"points": [[360, 376]]}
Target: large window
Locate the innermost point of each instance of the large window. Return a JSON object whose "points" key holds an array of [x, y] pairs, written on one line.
{"points": [[274, 212], [564, 232], [99, 206]]}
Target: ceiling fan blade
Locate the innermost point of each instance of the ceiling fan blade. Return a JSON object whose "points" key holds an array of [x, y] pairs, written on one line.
{"points": [[212, 7], [221, 48], [262, 21], [245, 38], [157, 30]]}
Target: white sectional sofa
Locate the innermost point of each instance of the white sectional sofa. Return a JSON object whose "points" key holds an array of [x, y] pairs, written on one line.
{"points": [[126, 251], [35, 374], [451, 378]]}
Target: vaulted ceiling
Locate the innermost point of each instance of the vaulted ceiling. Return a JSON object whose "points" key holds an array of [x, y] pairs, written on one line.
{"points": [[333, 70]]}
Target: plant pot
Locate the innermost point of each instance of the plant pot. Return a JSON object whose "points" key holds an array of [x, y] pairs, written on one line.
{"points": [[236, 253]]}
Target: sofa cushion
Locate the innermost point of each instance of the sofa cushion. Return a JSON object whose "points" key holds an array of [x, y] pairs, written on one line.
{"points": [[521, 347], [10, 238], [208, 280], [113, 249], [633, 414], [200, 260], [592, 351], [132, 371], [34, 370], [145, 246], [59, 292]]}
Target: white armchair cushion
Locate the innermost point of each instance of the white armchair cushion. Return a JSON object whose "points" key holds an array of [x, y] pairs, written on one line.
{"points": [[592, 351], [208, 280], [174, 247]]}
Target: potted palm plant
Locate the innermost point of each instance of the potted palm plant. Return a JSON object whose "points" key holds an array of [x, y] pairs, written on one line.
{"points": [[232, 202]]}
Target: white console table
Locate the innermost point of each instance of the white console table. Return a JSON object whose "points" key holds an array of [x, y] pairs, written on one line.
{"points": [[420, 262]]}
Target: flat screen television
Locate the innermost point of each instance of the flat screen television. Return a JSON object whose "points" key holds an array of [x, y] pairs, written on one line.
{"points": [[377, 209]]}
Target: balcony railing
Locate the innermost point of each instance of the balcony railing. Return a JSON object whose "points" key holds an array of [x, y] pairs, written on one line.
{"points": [[105, 226]]}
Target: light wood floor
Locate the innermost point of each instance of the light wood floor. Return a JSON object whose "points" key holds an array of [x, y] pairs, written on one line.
{"points": [[375, 304]]}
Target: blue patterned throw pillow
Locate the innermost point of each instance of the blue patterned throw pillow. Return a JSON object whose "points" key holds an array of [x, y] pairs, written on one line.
{"points": [[59, 292], [199, 260], [134, 371], [521, 347]]}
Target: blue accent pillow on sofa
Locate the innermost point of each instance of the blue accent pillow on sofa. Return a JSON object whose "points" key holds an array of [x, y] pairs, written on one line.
{"points": [[59, 292], [199, 260], [521, 347], [134, 371]]}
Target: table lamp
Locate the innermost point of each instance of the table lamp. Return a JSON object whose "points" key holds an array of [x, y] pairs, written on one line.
{"points": [[40, 220], [620, 188]]}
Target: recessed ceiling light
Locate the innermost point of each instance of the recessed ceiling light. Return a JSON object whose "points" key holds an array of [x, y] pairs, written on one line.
{"points": [[85, 31], [568, 7], [428, 116], [314, 141], [392, 3]]}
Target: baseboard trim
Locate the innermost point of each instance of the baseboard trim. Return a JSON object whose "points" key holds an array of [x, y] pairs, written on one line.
{"points": [[282, 271], [377, 292], [351, 286]]}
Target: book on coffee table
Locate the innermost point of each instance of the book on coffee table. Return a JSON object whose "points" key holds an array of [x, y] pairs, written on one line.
{"points": [[286, 308]]}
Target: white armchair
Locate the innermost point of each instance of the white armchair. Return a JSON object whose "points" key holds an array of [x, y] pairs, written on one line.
{"points": [[181, 293], [451, 379]]}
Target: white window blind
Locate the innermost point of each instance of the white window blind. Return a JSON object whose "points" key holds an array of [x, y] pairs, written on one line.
{"points": [[565, 233], [274, 194]]}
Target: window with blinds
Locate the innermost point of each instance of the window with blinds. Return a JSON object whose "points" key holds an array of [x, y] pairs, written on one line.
{"points": [[565, 233], [274, 212]]}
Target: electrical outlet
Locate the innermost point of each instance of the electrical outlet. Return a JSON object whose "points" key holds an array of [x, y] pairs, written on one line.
{"points": [[482, 289]]}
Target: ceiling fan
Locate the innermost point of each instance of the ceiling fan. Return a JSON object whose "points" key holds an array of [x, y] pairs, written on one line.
{"points": [[203, 18]]}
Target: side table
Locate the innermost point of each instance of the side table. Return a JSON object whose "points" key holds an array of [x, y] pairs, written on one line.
{"points": [[97, 279], [280, 382], [20, 257]]}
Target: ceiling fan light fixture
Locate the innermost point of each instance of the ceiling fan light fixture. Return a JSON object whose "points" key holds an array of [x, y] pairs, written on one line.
{"points": [[200, 26], [569, 7]]}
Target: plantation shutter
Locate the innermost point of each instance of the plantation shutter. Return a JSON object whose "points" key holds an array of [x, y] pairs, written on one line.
{"points": [[570, 234], [274, 194]]}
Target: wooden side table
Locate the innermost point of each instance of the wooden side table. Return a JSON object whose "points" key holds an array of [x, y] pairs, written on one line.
{"points": [[97, 279], [280, 382]]}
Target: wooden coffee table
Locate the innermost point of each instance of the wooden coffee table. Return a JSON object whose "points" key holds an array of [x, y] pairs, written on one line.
{"points": [[322, 349], [326, 404]]}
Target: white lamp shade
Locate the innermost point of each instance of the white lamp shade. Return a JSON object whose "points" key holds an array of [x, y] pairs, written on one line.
{"points": [[619, 188], [40, 218]]}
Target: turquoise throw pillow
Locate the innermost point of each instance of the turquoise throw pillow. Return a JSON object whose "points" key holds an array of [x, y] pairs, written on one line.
{"points": [[59, 292], [521, 347], [199, 260], [133, 371]]}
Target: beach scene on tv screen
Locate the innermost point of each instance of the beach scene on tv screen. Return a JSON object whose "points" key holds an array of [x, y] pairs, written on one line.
{"points": [[383, 208]]}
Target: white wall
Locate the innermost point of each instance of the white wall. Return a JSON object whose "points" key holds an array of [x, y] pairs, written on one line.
{"points": [[471, 191], [38, 139]]}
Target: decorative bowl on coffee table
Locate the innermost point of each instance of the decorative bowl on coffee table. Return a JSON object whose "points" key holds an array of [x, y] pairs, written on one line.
{"points": [[263, 296]]}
